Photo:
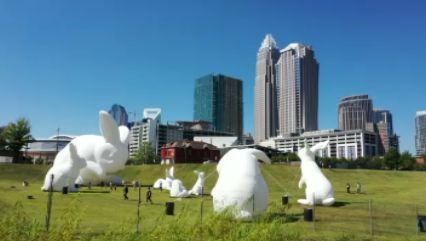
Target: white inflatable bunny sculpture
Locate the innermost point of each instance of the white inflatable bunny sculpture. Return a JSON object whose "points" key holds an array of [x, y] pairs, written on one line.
{"points": [[101, 154], [65, 173], [197, 189], [166, 183], [104, 154], [240, 183], [178, 189], [318, 188]]}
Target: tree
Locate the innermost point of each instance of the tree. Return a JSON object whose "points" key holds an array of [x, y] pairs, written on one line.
{"points": [[145, 154], [17, 135], [407, 161], [2, 141], [392, 159]]}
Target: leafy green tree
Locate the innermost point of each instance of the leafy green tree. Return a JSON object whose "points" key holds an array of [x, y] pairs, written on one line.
{"points": [[2, 141], [145, 155], [392, 159], [17, 135], [407, 161]]}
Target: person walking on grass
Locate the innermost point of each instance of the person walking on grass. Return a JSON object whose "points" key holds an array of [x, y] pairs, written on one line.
{"points": [[149, 195], [358, 187], [348, 188], [125, 191]]}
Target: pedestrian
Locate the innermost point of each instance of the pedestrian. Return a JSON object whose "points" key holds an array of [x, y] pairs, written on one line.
{"points": [[149, 195], [348, 188], [358, 187], [110, 186], [161, 186], [125, 191]]}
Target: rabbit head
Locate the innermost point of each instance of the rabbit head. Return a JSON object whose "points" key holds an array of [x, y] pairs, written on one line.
{"points": [[113, 153], [307, 153]]}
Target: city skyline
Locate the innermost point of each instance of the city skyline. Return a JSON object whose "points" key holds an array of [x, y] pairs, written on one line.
{"points": [[62, 62]]}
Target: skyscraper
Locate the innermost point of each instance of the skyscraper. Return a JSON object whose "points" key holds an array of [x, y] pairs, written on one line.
{"points": [[384, 127], [219, 99], [119, 114], [297, 90], [355, 112], [265, 112], [420, 132]]}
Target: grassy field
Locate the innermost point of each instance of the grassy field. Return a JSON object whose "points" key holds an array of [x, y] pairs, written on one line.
{"points": [[385, 210]]}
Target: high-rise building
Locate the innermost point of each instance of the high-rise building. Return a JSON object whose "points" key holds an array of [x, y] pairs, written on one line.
{"points": [[384, 127], [265, 109], [119, 114], [145, 131], [420, 132], [297, 90], [218, 99], [355, 112], [384, 116]]}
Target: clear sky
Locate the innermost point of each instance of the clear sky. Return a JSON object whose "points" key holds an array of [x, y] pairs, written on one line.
{"points": [[63, 61]]}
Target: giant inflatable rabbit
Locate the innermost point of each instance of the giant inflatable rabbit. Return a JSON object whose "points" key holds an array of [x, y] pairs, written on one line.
{"points": [[240, 185], [104, 154], [65, 174], [101, 154], [167, 182], [318, 188]]}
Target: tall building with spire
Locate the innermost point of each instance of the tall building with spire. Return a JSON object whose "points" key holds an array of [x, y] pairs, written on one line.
{"points": [[297, 90], [265, 112]]}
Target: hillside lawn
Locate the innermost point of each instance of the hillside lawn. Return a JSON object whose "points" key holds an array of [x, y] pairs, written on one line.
{"points": [[395, 197]]}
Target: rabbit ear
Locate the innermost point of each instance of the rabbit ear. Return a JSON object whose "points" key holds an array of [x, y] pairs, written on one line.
{"points": [[73, 151], [124, 134], [319, 146], [109, 128]]}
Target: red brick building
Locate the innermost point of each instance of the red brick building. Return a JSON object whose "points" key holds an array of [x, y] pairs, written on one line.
{"points": [[189, 152]]}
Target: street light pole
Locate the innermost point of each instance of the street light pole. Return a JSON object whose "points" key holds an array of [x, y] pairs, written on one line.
{"points": [[57, 141]]}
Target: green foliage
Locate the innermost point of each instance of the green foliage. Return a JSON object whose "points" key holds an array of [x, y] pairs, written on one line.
{"points": [[285, 157], [145, 155], [16, 135], [407, 161], [392, 159]]}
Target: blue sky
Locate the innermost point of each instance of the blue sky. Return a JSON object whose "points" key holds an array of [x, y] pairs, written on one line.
{"points": [[63, 61]]}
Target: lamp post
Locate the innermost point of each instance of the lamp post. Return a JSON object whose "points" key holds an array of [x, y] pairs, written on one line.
{"points": [[57, 141]]}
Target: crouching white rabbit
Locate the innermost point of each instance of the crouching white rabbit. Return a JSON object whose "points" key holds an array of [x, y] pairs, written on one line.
{"points": [[319, 190], [104, 154], [198, 187], [64, 172], [240, 184]]}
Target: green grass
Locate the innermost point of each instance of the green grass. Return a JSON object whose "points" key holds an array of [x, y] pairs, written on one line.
{"points": [[395, 198]]}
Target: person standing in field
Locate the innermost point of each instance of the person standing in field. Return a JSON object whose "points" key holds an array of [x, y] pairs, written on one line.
{"points": [[149, 195], [125, 191], [358, 187], [348, 188]]}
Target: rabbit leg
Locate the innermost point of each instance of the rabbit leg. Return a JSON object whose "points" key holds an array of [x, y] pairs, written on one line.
{"points": [[301, 182], [328, 201], [304, 201]]}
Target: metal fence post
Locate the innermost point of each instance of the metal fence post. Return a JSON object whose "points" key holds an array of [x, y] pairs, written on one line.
{"points": [[49, 203], [138, 213], [313, 210], [370, 214]]}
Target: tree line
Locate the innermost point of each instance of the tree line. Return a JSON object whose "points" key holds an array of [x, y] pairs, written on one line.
{"points": [[392, 160]]}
